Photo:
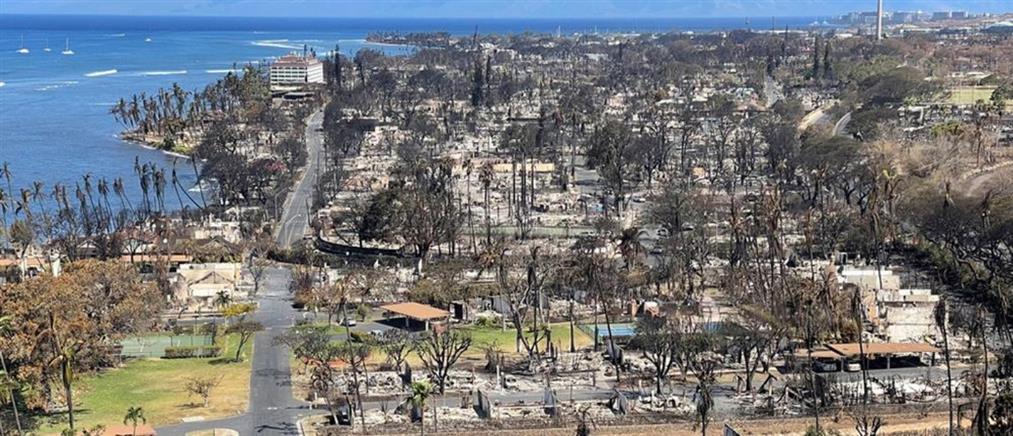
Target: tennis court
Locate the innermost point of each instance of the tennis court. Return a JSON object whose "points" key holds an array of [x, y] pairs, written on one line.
{"points": [[155, 345]]}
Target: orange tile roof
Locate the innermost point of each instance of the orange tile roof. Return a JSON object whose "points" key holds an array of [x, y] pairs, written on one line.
{"points": [[127, 430], [32, 261], [421, 312]]}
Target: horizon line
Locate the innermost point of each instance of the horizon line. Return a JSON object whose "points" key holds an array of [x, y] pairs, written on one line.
{"points": [[421, 18]]}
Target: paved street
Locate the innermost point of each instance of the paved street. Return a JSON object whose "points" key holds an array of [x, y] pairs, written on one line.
{"points": [[273, 410], [295, 217]]}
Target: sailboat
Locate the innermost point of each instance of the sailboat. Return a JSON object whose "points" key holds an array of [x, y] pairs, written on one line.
{"points": [[47, 49], [23, 50], [147, 39], [66, 48]]}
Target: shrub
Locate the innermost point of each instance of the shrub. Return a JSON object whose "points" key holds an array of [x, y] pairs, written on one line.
{"points": [[187, 352], [361, 337], [486, 322]]}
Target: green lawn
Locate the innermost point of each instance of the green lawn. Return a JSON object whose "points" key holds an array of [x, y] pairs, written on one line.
{"points": [[481, 337], [506, 340], [968, 95], [158, 386]]}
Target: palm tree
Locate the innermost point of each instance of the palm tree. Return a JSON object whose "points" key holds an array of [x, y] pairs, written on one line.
{"points": [[486, 177], [3, 210], [420, 392], [134, 414], [5, 325], [630, 247], [469, 167], [120, 191], [5, 171], [222, 299]]}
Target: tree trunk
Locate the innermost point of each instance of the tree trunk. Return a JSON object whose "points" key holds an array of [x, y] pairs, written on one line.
{"points": [[573, 347], [68, 392], [488, 223], [422, 420], [10, 391], [949, 379], [612, 343], [355, 372]]}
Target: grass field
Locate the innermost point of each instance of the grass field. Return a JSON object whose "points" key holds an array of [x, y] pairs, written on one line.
{"points": [[968, 95], [506, 341], [481, 337], [158, 386]]}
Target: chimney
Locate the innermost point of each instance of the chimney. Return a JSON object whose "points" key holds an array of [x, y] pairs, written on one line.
{"points": [[879, 20]]}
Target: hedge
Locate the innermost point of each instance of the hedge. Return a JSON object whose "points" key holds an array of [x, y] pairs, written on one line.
{"points": [[192, 351]]}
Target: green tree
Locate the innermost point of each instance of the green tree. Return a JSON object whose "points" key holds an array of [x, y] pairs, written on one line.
{"points": [[477, 85], [134, 414], [420, 393], [245, 330], [66, 323], [610, 153]]}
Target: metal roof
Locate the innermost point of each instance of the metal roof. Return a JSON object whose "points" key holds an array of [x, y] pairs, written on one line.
{"points": [[421, 312], [852, 349]]}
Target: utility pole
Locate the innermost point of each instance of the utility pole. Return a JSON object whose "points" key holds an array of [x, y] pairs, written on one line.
{"points": [[879, 20]]}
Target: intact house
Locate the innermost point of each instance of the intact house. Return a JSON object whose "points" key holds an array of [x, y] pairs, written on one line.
{"points": [[201, 283]]}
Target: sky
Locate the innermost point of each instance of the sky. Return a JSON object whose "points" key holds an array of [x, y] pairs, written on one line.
{"points": [[488, 8]]}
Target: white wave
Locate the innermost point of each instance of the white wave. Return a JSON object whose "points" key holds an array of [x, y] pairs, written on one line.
{"points": [[3, 84], [57, 85], [163, 73], [276, 43], [221, 71], [101, 73], [373, 43], [116, 35]]}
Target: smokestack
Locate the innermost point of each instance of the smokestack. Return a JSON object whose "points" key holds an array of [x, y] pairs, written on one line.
{"points": [[879, 20]]}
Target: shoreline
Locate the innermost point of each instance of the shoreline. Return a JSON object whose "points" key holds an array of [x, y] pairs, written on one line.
{"points": [[138, 140]]}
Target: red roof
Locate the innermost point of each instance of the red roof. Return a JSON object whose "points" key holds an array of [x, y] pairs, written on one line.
{"points": [[421, 312]]}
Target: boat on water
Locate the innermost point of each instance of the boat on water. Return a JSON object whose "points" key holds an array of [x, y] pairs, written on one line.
{"points": [[66, 48], [46, 48], [23, 50], [2, 84], [147, 39]]}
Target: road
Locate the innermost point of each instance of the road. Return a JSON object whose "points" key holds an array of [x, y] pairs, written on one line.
{"points": [[296, 214], [842, 124], [272, 409], [771, 91]]}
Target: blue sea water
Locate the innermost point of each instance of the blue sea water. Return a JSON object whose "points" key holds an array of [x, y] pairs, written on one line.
{"points": [[54, 120]]}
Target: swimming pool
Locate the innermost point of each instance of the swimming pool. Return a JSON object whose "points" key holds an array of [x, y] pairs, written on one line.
{"points": [[618, 330]]}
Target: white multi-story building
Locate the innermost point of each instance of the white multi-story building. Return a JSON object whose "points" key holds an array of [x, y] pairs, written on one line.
{"points": [[292, 71]]}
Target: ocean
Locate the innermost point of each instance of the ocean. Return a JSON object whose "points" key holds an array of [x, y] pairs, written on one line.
{"points": [[54, 120]]}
